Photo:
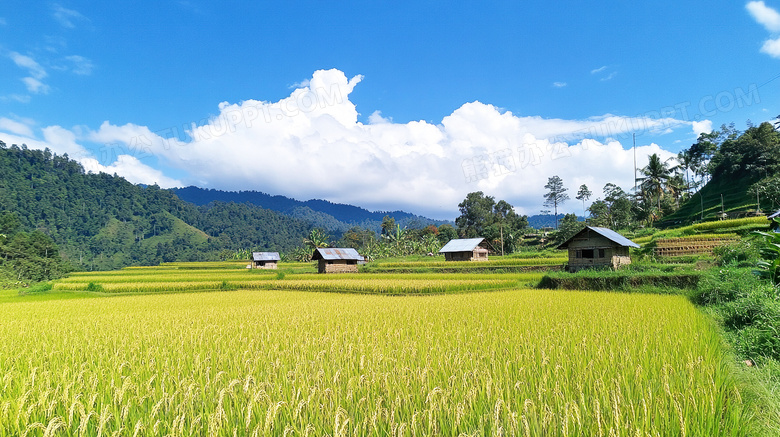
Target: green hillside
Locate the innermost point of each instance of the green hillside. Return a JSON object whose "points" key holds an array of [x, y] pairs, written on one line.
{"points": [[102, 221], [736, 195], [738, 164]]}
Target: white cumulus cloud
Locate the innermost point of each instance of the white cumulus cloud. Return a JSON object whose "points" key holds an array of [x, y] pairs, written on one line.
{"points": [[764, 15], [772, 47], [770, 19], [311, 144], [702, 127], [132, 169]]}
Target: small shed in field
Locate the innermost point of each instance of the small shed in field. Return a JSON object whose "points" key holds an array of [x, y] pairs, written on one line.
{"points": [[337, 260], [597, 247], [265, 260], [465, 249]]}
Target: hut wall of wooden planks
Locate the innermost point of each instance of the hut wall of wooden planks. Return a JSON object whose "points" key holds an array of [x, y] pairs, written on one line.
{"points": [[597, 247]]}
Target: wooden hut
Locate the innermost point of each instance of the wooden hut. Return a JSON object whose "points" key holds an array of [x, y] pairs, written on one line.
{"points": [[597, 247], [265, 260], [465, 249], [337, 260]]}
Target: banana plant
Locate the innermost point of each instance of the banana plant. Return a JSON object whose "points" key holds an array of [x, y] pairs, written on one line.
{"points": [[769, 266]]}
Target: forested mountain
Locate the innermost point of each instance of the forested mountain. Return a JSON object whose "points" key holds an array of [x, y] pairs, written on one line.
{"points": [[333, 217], [100, 221], [55, 216]]}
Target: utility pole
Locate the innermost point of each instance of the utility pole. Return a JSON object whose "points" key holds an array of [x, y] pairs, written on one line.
{"points": [[634, 163], [701, 198], [501, 226]]}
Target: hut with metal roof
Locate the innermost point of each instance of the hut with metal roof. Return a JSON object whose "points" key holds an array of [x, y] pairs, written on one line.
{"points": [[597, 247], [265, 260], [465, 249], [337, 260]]}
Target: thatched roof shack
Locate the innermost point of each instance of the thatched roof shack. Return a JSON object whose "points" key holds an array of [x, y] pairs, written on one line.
{"points": [[465, 249], [265, 260], [337, 260], [597, 247]]}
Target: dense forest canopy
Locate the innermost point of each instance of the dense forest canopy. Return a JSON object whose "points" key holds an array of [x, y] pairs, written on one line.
{"points": [[102, 221]]}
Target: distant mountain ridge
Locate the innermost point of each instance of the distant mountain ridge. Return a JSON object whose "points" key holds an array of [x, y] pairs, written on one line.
{"points": [[337, 217], [539, 221]]}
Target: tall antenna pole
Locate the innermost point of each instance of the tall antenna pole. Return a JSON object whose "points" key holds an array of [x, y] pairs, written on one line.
{"points": [[634, 163]]}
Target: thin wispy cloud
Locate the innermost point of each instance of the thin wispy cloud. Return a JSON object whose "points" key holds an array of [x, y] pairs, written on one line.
{"points": [[35, 69], [66, 17], [21, 98], [35, 86], [15, 127], [559, 84], [603, 73], [770, 19], [80, 65], [610, 76], [34, 82]]}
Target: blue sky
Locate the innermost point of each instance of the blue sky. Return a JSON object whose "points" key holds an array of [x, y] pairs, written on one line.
{"points": [[421, 102]]}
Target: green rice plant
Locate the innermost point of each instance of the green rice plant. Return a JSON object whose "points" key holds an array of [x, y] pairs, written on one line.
{"points": [[92, 286]]}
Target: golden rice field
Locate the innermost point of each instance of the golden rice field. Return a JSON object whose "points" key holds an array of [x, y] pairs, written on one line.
{"points": [[169, 278], [291, 363]]}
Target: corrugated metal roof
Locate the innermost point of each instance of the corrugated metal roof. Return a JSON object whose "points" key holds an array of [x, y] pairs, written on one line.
{"points": [[330, 253], [266, 256], [606, 233], [461, 245]]}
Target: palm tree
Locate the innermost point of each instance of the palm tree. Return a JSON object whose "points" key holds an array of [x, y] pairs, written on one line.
{"points": [[656, 174]]}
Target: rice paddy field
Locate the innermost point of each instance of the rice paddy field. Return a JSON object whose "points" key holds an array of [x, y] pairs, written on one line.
{"points": [[292, 353]]}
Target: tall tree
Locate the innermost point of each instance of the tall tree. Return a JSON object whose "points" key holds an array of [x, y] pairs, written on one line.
{"points": [[570, 225], [388, 225], [655, 176], [476, 213], [497, 222], [686, 162], [556, 195], [583, 194]]}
